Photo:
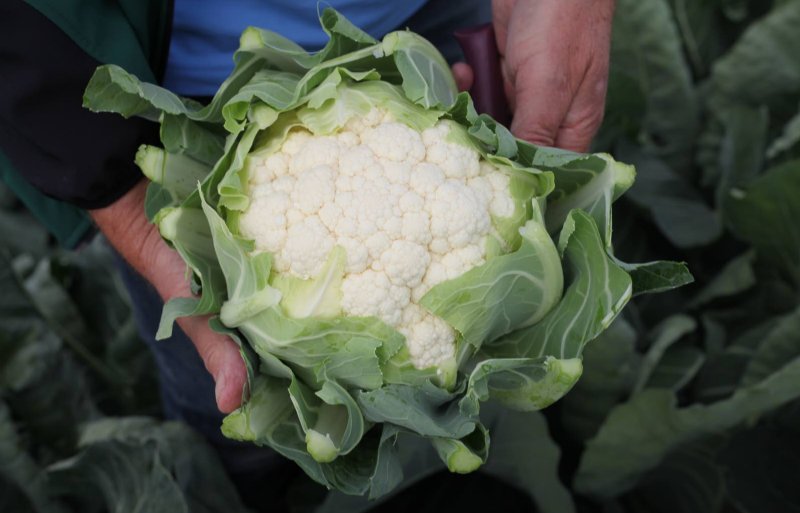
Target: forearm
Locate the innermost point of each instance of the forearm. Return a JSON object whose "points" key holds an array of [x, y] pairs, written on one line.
{"points": [[128, 230]]}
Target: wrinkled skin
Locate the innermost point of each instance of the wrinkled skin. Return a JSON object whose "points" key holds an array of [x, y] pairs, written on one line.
{"points": [[126, 227], [554, 60], [554, 57]]}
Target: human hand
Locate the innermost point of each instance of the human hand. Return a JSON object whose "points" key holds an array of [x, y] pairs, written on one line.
{"points": [[554, 59], [126, 227]]}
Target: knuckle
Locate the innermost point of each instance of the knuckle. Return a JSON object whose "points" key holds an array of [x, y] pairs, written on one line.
{"points": [[585, 121], [538, 135]]}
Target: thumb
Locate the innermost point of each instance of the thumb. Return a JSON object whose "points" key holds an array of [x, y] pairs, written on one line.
{"points": [[220, 354], [222, 359], [230, 377]]}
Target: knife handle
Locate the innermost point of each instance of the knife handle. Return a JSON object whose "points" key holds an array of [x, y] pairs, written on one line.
{"points": [[480, 50]]}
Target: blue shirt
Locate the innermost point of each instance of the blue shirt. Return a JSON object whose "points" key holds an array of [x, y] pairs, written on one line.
{"points": [[205, 33]]}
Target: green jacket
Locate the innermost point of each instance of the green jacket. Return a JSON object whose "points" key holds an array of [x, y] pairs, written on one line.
{"points": [[133, 34]]}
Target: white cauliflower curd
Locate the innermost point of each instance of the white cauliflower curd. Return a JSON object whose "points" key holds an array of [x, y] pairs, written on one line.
{"points": [[410, 210]]}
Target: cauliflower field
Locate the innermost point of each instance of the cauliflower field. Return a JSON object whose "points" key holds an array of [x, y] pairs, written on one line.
{"points": [[410, 210]]}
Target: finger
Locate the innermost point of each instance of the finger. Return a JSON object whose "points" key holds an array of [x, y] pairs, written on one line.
{"points": [[464, 76], [541, 99], [231, 379], [221, 357], [584, 115], [508, 84], [501, 17], [219, 353]]}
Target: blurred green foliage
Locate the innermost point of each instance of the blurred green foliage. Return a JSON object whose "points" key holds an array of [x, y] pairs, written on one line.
{"points": [[689, 403]]}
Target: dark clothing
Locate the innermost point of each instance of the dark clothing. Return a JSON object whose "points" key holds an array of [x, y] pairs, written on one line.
{"points": [[86, 159], [61, 148]]}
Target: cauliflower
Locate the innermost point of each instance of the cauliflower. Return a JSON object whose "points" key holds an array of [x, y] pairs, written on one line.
{"points": [[381, 251], [410, 209]]}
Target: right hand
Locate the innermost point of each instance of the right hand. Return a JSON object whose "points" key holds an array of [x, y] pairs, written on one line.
{"points": [[127, 229]]}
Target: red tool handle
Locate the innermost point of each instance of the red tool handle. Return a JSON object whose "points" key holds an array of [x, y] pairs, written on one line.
{"points": [[480, 49]]}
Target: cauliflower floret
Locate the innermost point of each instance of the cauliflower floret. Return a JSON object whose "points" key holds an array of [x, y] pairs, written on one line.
{"points": [[456, 217], [411, 202], [459, 261], [265, 219], [405, 263], [344, 184], [295, 140], [396, 142], [417, 227], [419, 291], [371, 293], [307, 246], [359, 124], [502, 204], [393, 227], [348, 139], [294, 216], [402, 298], [357, 255], [314, 188], [258, 173], [426, 178], [455, 160], [397, 191], [376, 244], [330, 214], [429, 339], [284, 184], [355, 161], [397, 172], [482, 189], [374, 205], [436, 274], [277, 164], [317, 151]]}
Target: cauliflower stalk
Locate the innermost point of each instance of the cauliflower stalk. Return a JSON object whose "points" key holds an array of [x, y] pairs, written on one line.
{"points": [[386, 258]]}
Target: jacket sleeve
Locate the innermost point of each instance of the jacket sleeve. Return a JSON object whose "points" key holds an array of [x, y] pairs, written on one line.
{"points": [[62, 149]]}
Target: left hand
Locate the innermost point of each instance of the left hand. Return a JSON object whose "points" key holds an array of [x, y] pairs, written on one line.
{"points": [[554, 59], [126, 227]]}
